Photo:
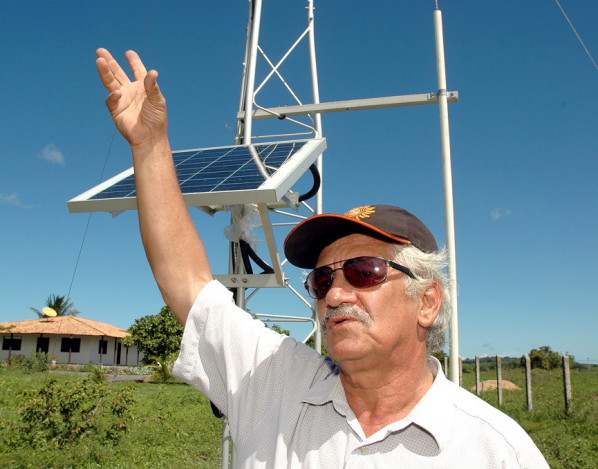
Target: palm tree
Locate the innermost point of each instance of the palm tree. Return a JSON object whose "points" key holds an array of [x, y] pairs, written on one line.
{"points": [[60, 304]]}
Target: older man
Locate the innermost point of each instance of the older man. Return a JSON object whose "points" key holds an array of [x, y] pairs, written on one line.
{"points": [[379, 400]]}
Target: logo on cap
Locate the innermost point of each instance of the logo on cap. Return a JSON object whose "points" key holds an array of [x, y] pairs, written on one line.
{"points": [[361, 212]]}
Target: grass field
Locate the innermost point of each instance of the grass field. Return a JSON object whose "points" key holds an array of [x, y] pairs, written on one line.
{"points": [[568, 441], [173, 426]]}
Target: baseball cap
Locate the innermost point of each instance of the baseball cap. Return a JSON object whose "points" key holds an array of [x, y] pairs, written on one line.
{"points": [[304, 244]]}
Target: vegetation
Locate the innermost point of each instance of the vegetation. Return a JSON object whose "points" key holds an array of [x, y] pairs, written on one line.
{"points": [[157, 336], [162, 425], [162, 368], [65, 421], [38, 361], [545, 359], [567, 440], [60, 414], [60, 304]]}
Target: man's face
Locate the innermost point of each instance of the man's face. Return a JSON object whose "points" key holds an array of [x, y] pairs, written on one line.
{"points": [[386, 326]]}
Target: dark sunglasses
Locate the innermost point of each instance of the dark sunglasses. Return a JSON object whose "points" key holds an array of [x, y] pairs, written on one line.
{"points": [[360, 272]]}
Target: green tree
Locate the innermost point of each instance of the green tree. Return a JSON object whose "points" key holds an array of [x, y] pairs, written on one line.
{"points": [[440, 356], [279, 329], [60, 304], [157, 336], [312, 343], [544, 358]]}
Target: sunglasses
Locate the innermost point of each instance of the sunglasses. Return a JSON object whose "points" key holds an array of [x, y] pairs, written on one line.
{"points": [[360, 272]]}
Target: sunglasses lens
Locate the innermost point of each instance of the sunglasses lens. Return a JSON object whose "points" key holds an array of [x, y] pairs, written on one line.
{"points": [[363, 272], [319, 282]]}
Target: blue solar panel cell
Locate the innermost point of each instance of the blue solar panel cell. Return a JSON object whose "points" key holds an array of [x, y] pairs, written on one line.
{"points": [[203, 173], [216, 169]]}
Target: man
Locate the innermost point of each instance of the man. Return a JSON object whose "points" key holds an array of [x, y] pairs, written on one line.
{"points": [[379, 400]]}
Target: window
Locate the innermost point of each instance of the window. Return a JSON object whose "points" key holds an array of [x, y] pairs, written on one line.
{"points": [[11, 343], [43, 344], [103, 348], [72, 345]]}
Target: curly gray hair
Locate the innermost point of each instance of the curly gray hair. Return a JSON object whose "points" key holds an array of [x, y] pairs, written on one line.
{"points": [[428, 267]]}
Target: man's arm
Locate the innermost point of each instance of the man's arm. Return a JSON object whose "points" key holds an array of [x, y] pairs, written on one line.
{"points": [[173, 246]]}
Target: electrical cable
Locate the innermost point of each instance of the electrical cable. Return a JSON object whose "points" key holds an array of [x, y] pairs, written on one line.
{"points": [[86, 229], [247, 253], [589, 54], [316, 186]]}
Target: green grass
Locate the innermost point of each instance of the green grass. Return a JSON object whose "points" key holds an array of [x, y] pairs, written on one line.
{"points": [[173, 425], [568, 441]]}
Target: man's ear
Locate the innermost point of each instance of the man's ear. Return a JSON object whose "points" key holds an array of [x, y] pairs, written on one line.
{"points": [[431, 302]]}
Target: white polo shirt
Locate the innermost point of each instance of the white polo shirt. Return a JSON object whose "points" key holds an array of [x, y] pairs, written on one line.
{"points": [[287, 408]]}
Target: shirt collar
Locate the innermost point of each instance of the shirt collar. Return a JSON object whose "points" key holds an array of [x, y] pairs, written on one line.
{"points": [[433, 412]]}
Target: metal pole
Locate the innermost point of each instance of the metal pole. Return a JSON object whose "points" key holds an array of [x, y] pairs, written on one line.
{"points": [[251, 67], [316, 96], [226, 444], [448, 196], [319, 162]]}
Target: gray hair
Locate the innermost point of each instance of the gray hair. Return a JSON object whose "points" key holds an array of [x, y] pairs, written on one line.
{"points": [[427, 267]]}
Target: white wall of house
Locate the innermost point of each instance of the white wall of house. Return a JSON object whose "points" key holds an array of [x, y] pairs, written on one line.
{"points": [[89, 349]]}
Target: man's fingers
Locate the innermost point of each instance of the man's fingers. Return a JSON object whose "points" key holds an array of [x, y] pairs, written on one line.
{"points": [[112, 66], [106, 75], [139, 70], [152, 90]]}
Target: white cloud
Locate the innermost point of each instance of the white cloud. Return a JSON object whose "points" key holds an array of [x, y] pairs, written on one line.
{"points": [[52, 154], [11, 199], [499, 213]]}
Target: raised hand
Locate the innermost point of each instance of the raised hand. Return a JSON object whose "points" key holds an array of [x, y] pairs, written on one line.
{"points": [[138, 107]]}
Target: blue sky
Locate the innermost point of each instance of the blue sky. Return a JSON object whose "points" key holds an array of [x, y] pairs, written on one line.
{"points": [[524, 147]]}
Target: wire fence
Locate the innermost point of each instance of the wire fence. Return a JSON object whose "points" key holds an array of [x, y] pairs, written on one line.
{"points": [[498, 364]]}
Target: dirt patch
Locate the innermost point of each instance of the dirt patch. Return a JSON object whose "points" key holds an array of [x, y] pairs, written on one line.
{"points": [[491, 384]]}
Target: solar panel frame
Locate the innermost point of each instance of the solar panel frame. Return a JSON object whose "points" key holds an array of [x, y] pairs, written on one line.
{"points": [[233, 177]]}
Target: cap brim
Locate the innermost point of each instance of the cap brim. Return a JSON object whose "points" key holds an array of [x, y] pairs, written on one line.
{"points": [[307, 240]]}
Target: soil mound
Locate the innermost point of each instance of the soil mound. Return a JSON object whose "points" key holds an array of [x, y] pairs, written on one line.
{"points": [[491, 384]]}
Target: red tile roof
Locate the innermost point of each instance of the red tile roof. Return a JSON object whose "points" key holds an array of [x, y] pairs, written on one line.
{"points": [[64, 325]]}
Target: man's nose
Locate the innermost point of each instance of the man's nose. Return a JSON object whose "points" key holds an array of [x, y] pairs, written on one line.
{"points": [[340, 292]]}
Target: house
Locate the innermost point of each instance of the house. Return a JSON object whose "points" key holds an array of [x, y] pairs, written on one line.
{"points": [[68, 339]]}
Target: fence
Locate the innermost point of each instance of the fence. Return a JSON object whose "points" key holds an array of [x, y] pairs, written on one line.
{"points": [[528, 380]]}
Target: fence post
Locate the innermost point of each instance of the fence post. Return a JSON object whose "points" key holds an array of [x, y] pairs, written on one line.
{"points": [[477, 375], [499, 378], [461, 371], [528, 382], [567, 381]]}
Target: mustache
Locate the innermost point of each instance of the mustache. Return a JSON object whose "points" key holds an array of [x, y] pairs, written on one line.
{"points": [[345, 311]]}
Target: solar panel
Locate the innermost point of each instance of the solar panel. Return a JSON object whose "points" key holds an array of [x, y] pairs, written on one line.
{"points": [[216, 176]]}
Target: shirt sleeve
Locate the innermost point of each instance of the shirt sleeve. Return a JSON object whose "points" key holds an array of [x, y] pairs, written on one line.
{"points": [[231, 357]]}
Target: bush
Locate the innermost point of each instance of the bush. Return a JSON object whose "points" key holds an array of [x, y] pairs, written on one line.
{"points": [[35, 362], [62, 414], [544, 358], [162, 368]]}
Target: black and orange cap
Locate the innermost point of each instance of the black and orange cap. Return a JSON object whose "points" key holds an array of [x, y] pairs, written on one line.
{"points": [[393, 224]]}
